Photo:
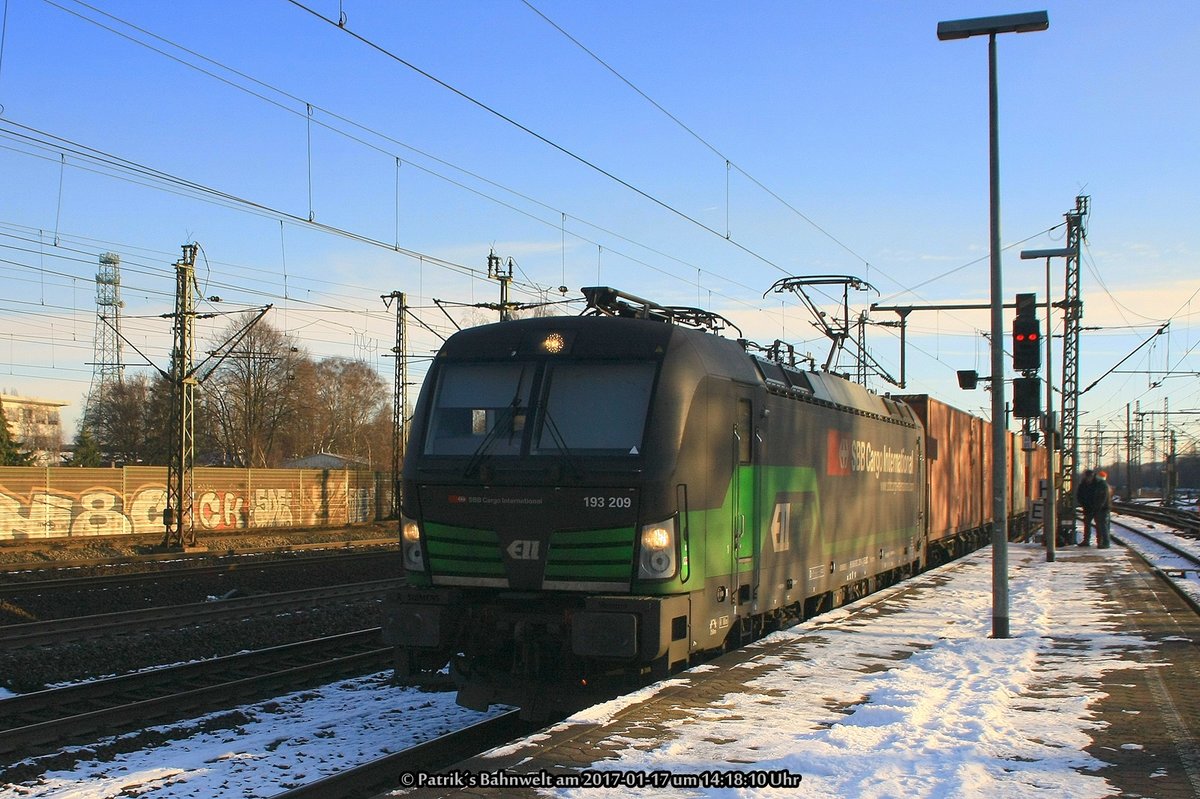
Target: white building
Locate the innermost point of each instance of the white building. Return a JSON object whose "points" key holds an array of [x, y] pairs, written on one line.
{"points": [[36, 426]]}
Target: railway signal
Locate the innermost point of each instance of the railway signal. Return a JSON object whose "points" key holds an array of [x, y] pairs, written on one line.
{"points": [[1027, 344], [1027, 335], [1027, 397]]}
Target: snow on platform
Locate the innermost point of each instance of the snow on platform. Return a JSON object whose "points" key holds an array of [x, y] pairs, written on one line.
{"points": [[1095, 693]]}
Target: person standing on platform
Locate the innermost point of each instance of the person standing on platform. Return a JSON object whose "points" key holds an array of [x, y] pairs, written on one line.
{"points": [[1102, 498], [1083, 498]]}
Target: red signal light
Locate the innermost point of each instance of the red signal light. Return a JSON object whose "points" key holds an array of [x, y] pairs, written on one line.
{"points": [[1026, 344]]}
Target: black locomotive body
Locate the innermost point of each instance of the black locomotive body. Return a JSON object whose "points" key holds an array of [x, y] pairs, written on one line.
{"points": [[590, 497]]}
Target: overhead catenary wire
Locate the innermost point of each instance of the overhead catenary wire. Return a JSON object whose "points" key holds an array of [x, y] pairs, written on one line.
{"points": [[222, 199], [598, 245], [309, 119], [29, 133], [67, 316], [544, 139], [307, 114], [729, 163], [323, 308]]}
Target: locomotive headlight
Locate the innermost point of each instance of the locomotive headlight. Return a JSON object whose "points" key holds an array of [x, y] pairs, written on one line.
{"points": [[411, 533], [656, 537], [554, 343], [657, 560], [410, 544]]}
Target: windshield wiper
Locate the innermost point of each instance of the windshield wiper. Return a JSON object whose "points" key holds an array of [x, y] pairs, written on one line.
{"points": [[556, 435], [502, 421], [485, 446]]}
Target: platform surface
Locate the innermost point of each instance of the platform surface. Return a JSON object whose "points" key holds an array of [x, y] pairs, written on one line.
{"points": [[1095, 693]]}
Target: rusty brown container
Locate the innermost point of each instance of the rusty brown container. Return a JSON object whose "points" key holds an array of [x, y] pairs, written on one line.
{"points": [[958, 461]]}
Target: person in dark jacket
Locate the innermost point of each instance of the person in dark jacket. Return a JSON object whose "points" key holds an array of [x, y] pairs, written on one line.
{"points": [[1083, 498], [1102, 505]]}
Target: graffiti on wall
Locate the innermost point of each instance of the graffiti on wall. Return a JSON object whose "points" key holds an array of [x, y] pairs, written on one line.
{"points": [[102, 510]]}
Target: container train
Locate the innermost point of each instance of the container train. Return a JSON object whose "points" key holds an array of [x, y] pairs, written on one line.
{"points": [[593, 497]]}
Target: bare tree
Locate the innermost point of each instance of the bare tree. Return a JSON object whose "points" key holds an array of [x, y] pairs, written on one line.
{"points": [[299, 436], [349, 397], [130, 421], [250, 396], [378, 439]]}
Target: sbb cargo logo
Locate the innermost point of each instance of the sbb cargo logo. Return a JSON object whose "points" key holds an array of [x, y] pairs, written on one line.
{"points": [[837, 454], [845, 455]]}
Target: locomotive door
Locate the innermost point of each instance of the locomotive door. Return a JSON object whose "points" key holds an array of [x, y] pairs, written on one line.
{"points": [[744, 521]]}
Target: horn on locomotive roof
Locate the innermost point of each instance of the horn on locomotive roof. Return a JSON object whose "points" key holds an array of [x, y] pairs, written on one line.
{"points": [[606, 301], [780, 352]]}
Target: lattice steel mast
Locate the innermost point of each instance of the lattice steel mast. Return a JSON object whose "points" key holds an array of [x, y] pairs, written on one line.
{"points": [[1072, 320], [184, 376], [400, 392], [181, 487]]}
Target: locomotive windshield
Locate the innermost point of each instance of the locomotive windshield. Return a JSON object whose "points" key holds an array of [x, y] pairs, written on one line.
{"points": [[597, 409], [478, 403], [585, 408]]}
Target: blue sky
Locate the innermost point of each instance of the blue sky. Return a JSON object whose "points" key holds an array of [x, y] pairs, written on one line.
{"points": [[871, 130]]}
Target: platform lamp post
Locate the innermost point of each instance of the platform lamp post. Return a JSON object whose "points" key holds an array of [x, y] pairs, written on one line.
{"points": [[962, 29], [1051, 499]]}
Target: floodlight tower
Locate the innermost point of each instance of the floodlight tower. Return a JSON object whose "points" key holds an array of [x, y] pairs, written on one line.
{"points": [[108, 362]]}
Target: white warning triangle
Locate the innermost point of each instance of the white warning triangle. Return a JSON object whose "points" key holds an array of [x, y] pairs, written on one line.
{"points": [[633, 451]]}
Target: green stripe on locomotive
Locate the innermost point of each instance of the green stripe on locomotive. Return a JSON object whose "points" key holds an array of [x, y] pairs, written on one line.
{"points": [[462, 551], [707, 547], [585, 555]]}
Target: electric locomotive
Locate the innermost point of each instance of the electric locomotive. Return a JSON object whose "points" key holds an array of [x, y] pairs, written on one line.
{"points": [[614, 494]]}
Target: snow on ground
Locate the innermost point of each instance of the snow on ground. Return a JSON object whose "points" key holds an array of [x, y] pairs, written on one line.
{"points": [[266, 747], [964, 715], [873, 704]]}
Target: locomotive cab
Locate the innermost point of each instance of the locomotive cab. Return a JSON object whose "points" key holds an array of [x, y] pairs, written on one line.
{"points": [[536, 530]]}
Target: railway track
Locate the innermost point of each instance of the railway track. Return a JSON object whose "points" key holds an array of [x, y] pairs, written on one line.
{"points": [[26, 583], [1185, 522], [402, 769], [59, 631], [54, 553], [17, 569], [1170, 553], [44, 721]]}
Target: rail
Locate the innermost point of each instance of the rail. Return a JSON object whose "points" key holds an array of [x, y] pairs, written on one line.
{"points": [[55, 631], [1185, 521], [1172, 562], [14, 585], [42, 721]]}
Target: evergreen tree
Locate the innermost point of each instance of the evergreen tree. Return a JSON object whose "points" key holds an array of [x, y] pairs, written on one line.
{"points": [[10, 449], [87, 451]]}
